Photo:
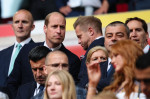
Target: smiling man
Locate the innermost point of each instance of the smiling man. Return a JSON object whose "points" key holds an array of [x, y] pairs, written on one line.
{"points": [[114, 32], [139, 32]]}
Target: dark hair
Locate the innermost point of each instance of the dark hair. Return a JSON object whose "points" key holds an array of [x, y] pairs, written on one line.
{"points": [[143, 61], [144, 24], [115, 23], [38, 53]]}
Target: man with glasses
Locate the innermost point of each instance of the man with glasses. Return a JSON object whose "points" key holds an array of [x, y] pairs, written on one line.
{"points": [[58, 60]]}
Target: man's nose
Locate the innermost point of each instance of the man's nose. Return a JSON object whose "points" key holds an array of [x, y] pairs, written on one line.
{"points": [[58, 29], [60, 67], [20, 24], [133, 33], [38, 72], [79, 41]]}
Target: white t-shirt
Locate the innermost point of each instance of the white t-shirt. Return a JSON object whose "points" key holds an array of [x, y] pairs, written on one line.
{"points": [[133, 95]]}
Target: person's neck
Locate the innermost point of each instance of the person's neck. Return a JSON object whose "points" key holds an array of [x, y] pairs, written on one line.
{"points": [[50, 45], [144, 45]]}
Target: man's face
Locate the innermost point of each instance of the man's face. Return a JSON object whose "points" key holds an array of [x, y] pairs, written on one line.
{"points": [[137, 33], [38, 71], [114, 34], [83, 38], [55, 31], [22, 25], [57, 62], [143, 76]]}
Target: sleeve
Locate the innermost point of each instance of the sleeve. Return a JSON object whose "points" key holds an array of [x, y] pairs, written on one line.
{"points": [[61, 3]]}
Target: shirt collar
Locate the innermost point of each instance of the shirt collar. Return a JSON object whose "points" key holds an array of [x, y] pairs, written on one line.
{"points": [[146, 49], [99, 37], [53, 49], [37, 85], [23, 42]]}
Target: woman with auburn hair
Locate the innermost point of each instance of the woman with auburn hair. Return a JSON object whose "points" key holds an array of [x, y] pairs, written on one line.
{"points": [[97, 53], [123, 57], [60, 85]]}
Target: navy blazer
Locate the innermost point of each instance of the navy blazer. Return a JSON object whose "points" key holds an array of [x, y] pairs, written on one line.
{"points": [[105, 79], [83, 77], [22, 72], [26, 91], [5, 57]]}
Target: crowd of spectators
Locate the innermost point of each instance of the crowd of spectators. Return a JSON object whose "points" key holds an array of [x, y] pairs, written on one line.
{"points": [[116, 63], [69, 8]]}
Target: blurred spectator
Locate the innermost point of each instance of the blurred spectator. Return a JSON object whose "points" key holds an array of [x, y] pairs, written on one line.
{"points": [[139, 4], [39, 8], [122, 5], [142, 73], [72, 8], [8, 9], [61, 83]]}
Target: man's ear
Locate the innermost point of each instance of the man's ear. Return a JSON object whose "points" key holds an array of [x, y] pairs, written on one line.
{"points": [[33, 26], [45, 29], [147, 36], [90, 31]]}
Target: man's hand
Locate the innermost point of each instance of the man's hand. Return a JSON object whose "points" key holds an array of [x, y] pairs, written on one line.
{"points": [[65, 10], [103, 9]]}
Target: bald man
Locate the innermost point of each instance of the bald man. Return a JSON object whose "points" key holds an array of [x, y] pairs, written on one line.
{"points": [[22, 26], [58, 60]]}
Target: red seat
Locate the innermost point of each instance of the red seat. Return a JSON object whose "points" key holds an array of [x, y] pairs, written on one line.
{"points": [[76, 49]]}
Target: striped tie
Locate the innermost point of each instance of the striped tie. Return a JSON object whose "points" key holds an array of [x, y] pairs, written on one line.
{"points": [[14, 58]]}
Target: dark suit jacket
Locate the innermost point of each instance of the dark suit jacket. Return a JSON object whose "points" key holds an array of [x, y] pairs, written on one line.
{"points": [[5, 57], [26, 91], [22, 72], [105, 79], [83, 71]]}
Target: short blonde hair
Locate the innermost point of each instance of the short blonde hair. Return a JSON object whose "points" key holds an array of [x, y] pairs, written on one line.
{"points": [[94, 49], [68, 86]]}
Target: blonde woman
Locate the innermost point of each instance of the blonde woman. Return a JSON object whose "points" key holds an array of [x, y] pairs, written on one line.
{"points": [[60, 85], [97, 53]]}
